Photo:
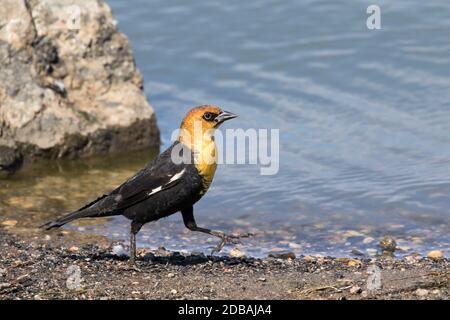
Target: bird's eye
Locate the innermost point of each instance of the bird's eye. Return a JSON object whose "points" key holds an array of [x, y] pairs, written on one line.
{"points": [[208, 116]]}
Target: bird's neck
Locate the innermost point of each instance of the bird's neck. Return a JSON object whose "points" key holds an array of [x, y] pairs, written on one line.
{"points": [[204, 152]]}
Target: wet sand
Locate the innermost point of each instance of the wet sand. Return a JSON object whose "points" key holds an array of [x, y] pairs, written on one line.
{"points": [[43, 267]]}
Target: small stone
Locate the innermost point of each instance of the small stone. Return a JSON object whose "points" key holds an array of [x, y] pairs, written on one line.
{"points": [[22, 278], [388, 244], [355, 290], [74, 249], [435, 255], [173, 291], [9, 223], [422, 292], [436, 291], [170, 275], [354, 263], [119, 251], [282, 255], [2, 272], [412, 258], [5, 285], [262, 279], [237, 253]]}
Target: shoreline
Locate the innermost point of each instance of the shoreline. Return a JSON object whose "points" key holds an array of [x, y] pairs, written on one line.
{"points": [[31, 268]]}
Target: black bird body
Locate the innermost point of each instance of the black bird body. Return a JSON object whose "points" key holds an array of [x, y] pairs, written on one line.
{"points": [[163, 187], [134, 199], [182, 193]]}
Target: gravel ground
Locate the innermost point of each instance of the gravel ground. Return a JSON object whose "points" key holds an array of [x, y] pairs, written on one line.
{"points": [[32, 268]]}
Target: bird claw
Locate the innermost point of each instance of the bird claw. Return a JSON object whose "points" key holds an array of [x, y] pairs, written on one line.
{"points": [[131, 266], [227, 239]]}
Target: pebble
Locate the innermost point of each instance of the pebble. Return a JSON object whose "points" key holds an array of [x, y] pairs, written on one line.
{"points": [[5, 285], [2, 272], [237, 253], [262, 279], [435, 254], [282, 255], [388, 244], [412, 258], [354, 263], [170, 275], [355, 290], [173, 291], [436, 291], [74, 249], [9, 223], [422, 292], [119, 251]]}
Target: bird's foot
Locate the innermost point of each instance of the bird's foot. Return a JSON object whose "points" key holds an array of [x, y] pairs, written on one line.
{"points": [[131, 266], [228, 239]]}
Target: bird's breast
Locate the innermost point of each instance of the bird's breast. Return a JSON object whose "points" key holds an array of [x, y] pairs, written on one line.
{"points": [[205, 159]]}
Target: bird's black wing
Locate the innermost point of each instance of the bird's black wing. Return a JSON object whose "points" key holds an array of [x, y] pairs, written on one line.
{"points": [[160, 174]]}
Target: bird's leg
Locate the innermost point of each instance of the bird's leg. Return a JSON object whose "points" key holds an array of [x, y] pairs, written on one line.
{"points": [[135, 227], [189, 222], [132, 248]]}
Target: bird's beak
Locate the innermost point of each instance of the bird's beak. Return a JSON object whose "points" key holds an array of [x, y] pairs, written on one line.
{"points": [[224, 116]]}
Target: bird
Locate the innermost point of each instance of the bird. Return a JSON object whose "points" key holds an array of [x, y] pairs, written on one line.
{"points": [[172, 182]]}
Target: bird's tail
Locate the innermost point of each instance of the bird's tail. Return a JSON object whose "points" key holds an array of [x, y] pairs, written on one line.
{"points": [[66, 219], [98, 208]]}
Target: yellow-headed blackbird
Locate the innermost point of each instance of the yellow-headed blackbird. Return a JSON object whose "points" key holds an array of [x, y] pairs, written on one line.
{"points": [[174, 181]]}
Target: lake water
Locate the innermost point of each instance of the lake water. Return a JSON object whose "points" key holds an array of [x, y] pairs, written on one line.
{"points": [[363, 117]]}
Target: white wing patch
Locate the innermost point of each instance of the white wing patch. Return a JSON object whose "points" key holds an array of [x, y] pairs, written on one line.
{"points": [[177, 176], [155, 191], [174, 178]]}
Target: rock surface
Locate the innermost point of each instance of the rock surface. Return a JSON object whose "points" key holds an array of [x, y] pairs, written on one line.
{"points": [[69, 86]]}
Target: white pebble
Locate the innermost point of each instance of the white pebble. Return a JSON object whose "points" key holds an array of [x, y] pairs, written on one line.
{"points": [[119, 251]]}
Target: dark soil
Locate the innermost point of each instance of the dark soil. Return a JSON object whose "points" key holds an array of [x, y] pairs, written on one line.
{"points": [[32, 268]]}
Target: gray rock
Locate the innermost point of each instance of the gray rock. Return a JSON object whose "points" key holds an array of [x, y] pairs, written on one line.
{"points": [[69, 86], [10, 160]]}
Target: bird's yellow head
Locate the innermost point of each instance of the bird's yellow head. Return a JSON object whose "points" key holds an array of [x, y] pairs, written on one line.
{"points": [[201, 122], [197, 132], [209, 116]]}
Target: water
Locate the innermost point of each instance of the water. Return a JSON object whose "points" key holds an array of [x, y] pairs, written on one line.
{"points": [[363, 118]]}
